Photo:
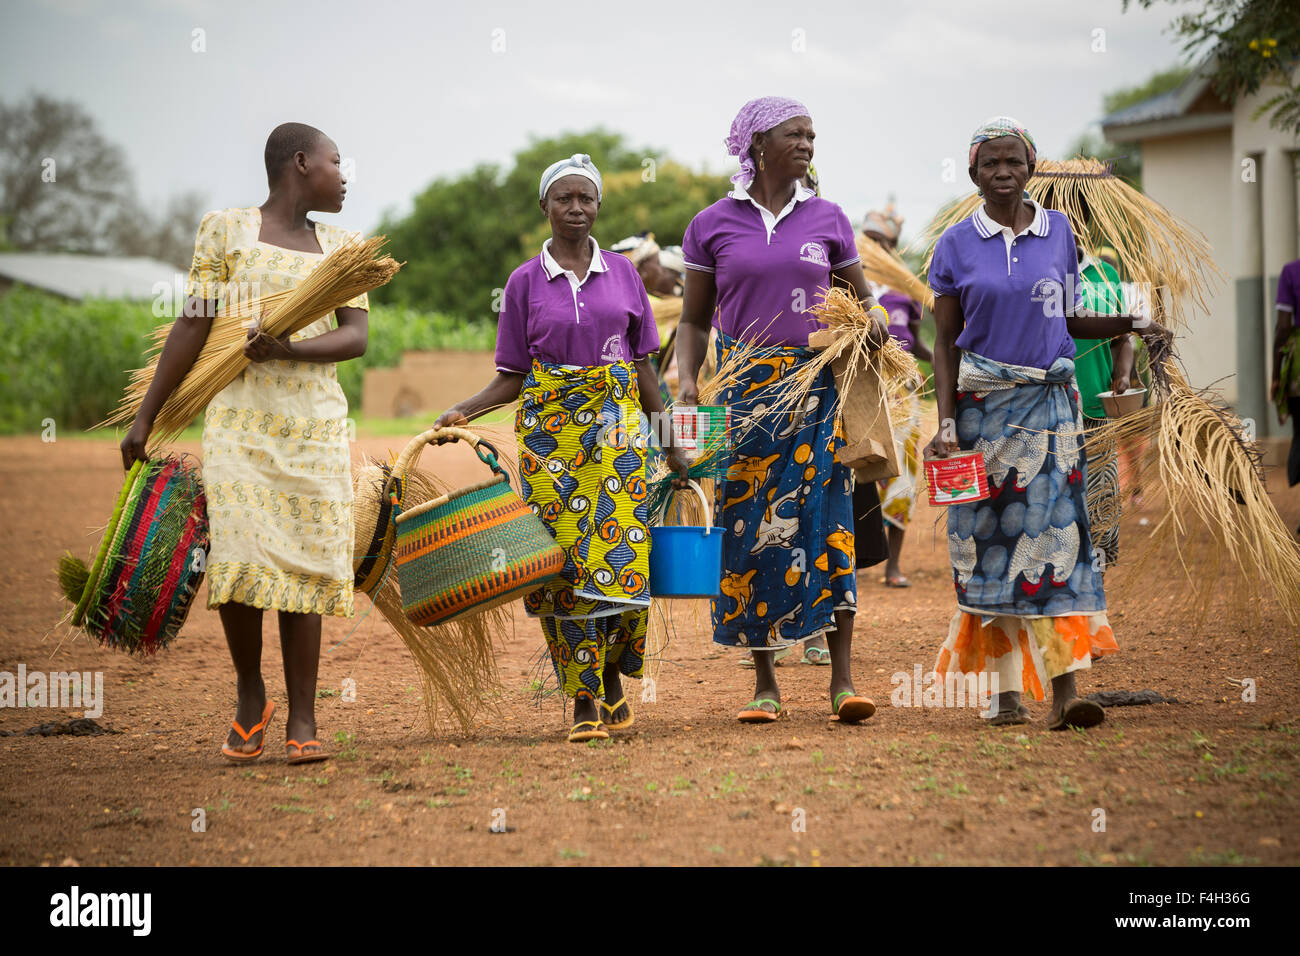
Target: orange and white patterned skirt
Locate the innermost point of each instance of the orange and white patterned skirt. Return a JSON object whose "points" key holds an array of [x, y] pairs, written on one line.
{"points": [[1025, 653]]}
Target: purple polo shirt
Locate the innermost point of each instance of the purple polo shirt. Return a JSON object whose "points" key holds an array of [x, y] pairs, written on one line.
{"points": [[1288, 290], [1014, 290], [902, 313], [769, 270], [548, 315]]}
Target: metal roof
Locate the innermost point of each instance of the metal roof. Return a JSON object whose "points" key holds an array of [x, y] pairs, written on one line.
{"points": [[85, 277], [1169, 113]]}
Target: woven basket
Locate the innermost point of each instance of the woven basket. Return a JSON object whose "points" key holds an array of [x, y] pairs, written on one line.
{"points": [[150, 562], [473, 549], [375, 533]]}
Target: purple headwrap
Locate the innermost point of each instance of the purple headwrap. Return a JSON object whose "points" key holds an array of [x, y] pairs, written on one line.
{"points": [[758, 116]]}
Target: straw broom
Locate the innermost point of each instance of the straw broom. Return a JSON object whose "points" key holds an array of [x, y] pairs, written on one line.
{"points": [[888, 268], [351, 269], [1211, 476], [1158, 250]]}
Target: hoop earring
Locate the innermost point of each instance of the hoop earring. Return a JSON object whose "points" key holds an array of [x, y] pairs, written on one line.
{"points": [[762, 165]]}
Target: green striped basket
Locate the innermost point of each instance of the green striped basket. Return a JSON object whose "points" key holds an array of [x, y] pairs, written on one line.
{"points": [[473, 549]]}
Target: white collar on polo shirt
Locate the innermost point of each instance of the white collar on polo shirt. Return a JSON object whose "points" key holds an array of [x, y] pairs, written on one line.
{"points": [[801, 193], [553, 269], [1040, 225]]}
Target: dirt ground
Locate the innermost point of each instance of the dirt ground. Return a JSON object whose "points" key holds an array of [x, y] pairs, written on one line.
{"points": [[1208, 780]]}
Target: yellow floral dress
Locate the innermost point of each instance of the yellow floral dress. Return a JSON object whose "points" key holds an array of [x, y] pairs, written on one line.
{"points": [[276, 463]]}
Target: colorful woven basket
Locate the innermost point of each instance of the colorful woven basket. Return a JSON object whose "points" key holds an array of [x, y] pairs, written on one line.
{"points": [[150, 562], [473, 549], [375, 533]]}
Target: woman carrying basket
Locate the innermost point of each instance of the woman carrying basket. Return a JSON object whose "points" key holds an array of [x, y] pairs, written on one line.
{"points": [[276, 464], [573, 343], [760, 255]]}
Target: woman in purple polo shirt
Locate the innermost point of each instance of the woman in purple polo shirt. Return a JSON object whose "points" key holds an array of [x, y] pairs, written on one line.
{"points": [[1031, 608], [1286, 363], [573, 342], [760, 255]]}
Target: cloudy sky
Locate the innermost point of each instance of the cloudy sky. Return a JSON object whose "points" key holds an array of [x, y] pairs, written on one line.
{"points": [[412, 91]]}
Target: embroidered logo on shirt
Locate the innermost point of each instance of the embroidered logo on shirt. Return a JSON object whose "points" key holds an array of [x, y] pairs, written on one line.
{"points": [[814, 253], [613, 350]]}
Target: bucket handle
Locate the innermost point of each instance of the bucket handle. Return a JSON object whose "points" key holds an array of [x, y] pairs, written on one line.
{"points": [[485, 451], [704, 503]]}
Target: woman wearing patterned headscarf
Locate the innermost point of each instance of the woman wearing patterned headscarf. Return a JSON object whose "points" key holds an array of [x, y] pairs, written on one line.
{"points": [[573, 343], [759, 256], [1031, 608]]}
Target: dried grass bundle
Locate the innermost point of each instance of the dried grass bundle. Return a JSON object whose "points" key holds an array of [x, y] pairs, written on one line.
{"points": [[1168, 257], [888, 268], [456, 663], [852, 328], [1210, 474], [351, 269]]}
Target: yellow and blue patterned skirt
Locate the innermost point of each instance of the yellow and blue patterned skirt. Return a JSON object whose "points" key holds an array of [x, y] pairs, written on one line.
{"points": [[786, 509], [582, 470]]}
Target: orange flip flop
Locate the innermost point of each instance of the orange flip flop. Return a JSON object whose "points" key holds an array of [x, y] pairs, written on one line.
{"points": [[851, 708], [236, 756], [755, 714], [302, 756]]}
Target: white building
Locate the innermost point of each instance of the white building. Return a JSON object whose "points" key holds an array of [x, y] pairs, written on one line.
{"points": [[1234, 178], [85, 277]]}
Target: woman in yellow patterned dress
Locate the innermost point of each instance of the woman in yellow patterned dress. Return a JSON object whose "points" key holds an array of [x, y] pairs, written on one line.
{"points": [[276, 463]]}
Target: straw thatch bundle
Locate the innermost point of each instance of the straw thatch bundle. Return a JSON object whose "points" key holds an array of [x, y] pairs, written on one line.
{"points": [[852, 329], [1210, 473], [888, 268], [351, 269], [1168, 257], [456, 664]]}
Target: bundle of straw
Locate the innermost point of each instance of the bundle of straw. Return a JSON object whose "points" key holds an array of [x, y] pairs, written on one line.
{"points": [[457, 668], [1156, 249], [1211, 475], [351, 269], [888, 268], [853, 329]]}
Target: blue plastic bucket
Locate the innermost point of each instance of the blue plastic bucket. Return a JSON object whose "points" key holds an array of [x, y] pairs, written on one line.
{"points": [[686, 560]]}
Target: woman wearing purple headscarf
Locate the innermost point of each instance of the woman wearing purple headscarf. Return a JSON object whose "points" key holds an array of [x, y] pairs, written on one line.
{"points": [[760, 256]]}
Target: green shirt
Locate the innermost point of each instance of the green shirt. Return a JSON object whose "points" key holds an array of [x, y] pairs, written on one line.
{"points": [[1093, 362]]}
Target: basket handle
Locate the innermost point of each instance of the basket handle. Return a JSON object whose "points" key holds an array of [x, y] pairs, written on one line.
{"points": [[704, 504], [485, 451]]}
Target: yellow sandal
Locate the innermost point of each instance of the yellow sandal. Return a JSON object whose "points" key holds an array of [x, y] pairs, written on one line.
{"points": [[622, 724], [577, 735]]}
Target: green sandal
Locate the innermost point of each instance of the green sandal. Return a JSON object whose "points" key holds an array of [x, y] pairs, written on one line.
{"points": [[754, 713], [820, 656], [854, 709]]}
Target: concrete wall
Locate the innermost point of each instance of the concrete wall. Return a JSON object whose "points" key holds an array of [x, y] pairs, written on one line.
{"points": [[1193, 176], [424, 383], [1270, 221]]}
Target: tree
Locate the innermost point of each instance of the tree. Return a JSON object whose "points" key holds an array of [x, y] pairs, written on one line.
{"points": [[61, 183], [168, 237], [64, 188], [1246, 45], [466, 234]]}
